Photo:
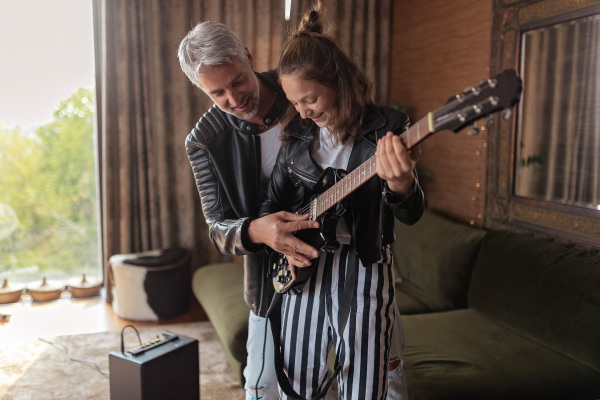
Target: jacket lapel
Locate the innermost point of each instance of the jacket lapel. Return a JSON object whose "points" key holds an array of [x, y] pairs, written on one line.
{"points": [[365, 144]]}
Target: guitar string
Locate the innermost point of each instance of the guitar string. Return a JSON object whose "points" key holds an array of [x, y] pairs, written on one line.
{"points": [[331, 194]]}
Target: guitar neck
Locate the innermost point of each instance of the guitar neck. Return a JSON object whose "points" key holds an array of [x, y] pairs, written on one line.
{"points": [[338, 192], [418, 132]]}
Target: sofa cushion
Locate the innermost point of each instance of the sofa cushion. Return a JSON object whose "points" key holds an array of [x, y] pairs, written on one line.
{"points": [[408, 299], [220, 291], [434, 259], [546, 291], [461, 354]]}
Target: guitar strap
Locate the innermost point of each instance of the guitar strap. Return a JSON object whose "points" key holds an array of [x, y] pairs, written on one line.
{"points": [[274, 315]]}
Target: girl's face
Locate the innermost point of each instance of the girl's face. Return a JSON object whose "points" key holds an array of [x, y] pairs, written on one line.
{"points": [[311, 99]]}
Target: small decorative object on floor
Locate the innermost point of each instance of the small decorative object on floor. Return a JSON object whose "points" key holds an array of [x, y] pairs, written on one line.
{"points": [[10, 293], [46, 291], [84, 287]]}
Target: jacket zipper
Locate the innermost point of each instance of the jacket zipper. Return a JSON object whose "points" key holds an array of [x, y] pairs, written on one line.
{"points": [[258, 166], [304, 177]]}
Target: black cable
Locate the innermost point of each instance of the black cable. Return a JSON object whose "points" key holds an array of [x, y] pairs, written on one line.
{"points": [[123, 343], [89, 362], [79, 360]]}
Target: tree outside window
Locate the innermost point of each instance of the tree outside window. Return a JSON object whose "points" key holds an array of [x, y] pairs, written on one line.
{"points": [[48, 204]]}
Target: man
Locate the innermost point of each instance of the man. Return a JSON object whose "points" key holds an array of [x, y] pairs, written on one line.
{"points": [[232, 151]]}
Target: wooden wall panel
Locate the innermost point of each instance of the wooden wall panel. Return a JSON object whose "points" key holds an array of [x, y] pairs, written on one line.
{"points": [[439, 48]]}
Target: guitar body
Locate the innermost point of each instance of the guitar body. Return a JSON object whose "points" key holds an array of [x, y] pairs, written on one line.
{"points": [[322, 238]]}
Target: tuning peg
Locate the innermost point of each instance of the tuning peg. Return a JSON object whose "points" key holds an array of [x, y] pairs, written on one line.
{"points": [[506, 114], [489, 120], [473, 130], [472, 90]]}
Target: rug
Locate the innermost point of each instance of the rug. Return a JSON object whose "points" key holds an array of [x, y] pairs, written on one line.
{"points": [[33, 369]]}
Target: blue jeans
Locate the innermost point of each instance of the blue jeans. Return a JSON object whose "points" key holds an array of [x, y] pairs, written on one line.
{"points": [[260, 350]]}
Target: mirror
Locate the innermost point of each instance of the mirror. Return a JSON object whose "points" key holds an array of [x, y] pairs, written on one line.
{"points": [[544, 162], [558, 156]]}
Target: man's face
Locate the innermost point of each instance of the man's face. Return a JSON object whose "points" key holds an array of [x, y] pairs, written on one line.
{"points": [[233, 87]]}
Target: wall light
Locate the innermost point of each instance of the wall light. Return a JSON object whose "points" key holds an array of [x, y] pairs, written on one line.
{"points": [[288, 9]]}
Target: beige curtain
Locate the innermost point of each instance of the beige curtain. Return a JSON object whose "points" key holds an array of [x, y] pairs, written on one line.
{"points": [[363, 29], [146, 107]]}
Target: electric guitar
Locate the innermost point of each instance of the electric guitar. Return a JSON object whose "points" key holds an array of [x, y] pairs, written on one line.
{"points": [[501, 92]]}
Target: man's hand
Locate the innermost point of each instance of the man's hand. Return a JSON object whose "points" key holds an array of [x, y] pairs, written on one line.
{"points": [[395, 164], [276, 231]]}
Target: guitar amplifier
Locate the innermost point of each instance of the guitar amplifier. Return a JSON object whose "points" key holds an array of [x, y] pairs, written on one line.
{"points": [[164, 368]]}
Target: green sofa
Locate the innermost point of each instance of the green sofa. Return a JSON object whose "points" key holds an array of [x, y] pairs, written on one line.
{"points": [[486, 314]]}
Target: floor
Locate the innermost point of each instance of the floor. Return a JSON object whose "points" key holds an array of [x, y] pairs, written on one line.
{"points": [[67, 316]]}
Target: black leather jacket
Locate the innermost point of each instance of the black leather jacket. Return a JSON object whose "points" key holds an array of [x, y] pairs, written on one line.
{"points": [[373, 204], [225, 157]]}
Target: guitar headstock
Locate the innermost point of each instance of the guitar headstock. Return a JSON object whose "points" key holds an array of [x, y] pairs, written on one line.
{"points": [[502, 91]]}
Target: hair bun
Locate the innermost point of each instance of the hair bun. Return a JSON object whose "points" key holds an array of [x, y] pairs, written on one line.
{"points": [[311, 21]]}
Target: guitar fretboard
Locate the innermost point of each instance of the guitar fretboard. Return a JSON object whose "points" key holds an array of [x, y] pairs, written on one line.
{"points": [[338, 192]]}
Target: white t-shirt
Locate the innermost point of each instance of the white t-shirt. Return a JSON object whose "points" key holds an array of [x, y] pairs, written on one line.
{"points": [[328, 153], [269, 147]]}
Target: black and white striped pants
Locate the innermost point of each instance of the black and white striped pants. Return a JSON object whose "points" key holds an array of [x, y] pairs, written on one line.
{"points": [[310, 327]]}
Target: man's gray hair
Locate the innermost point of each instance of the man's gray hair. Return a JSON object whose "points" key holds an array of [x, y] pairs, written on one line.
{"points": [[209, 43]]}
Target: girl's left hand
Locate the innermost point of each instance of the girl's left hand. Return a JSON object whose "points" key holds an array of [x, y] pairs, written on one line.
{"points": [[395, 164]]}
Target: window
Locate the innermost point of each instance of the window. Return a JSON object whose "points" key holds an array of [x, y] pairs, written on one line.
{"points": [[48, 202]]}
